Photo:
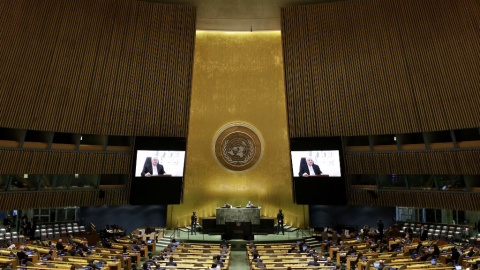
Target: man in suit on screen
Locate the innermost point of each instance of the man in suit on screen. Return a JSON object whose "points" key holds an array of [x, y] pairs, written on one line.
{"points": [[152, 168], [307, 168]]}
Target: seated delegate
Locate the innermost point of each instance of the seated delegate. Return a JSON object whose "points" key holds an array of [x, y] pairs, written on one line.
{"points": [[308, 168], [153, 168]]}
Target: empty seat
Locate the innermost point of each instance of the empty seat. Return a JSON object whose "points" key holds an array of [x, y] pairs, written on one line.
{"points": [[14, 236], [450, 237]]}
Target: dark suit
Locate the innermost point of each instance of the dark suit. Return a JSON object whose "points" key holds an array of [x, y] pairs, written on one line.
{"points": [[280, 222], [424, 235], [148, 169], [194, 224], [304, 169], [22, 256], [59, 246]]}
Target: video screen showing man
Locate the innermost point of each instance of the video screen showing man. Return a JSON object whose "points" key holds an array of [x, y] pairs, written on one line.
{"points": [[154, 163], [153, 168], [316, 163], [308, 168]]}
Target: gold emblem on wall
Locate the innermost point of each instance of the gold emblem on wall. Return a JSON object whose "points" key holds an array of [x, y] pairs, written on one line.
{"points": [[238, 147]]}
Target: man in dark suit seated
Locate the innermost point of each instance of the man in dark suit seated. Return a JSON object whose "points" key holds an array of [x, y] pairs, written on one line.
{"points": [[152, 168], [307, 168], [135, 246], [171, 262], [48, 257], [22, 256], [329, 262], [314, 262], [59, 245]]}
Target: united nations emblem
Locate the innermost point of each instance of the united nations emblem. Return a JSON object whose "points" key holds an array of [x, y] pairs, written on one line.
{"points": [[238, 147]]}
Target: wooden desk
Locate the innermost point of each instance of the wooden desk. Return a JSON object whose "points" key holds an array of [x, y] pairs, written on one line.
{"points": [[111, 263], [150, 246], [134, 256], [143, 250], [6, 260]]}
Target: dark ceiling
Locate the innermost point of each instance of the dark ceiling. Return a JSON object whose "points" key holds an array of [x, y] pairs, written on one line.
{"points": [[239, 15]]}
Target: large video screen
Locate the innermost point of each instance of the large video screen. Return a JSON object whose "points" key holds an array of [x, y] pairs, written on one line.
{"points": [[166, 163], [158, 169], [316, 163], [321, 183]]}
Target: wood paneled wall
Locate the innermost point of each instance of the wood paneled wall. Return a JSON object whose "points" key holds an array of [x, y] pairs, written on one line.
{"points": [[63, 162], [54, 199], [363, 67], [427, 162], [117, 67], [433, 200]]}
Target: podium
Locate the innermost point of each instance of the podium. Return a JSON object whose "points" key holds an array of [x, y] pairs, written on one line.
{"points": [[251, 215], [238, 230]]}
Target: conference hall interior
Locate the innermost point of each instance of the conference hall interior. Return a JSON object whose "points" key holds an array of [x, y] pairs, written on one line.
{"points": [[229, 134]]}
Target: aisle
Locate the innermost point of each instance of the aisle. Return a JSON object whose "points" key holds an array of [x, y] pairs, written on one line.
{"points": [[239, 260]]}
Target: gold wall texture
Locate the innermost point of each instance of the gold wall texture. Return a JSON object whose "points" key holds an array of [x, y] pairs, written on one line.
{"points": [[238, 77]]}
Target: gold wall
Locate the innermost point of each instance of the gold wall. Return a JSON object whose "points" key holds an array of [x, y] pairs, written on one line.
{"points": [[238, 77]]}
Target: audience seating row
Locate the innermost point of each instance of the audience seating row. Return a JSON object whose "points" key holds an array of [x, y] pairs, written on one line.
{"points": [[197, 255], [438, 231], [58, 230], [10, 236], [277, 256]]}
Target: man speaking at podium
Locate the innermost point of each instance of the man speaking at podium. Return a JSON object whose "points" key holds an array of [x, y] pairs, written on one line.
{"points": [[152, 169], [308, 168]]}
